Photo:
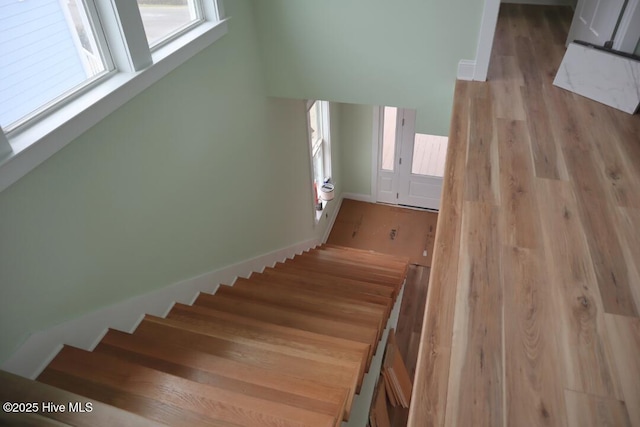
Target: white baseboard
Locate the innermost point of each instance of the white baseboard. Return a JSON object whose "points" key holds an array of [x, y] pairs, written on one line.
{"points": [[466, 69], [359, 197], [332, 220], [86, 331]]}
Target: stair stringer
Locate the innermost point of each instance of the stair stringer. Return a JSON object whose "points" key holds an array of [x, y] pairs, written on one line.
{"points": [[362, 401]]}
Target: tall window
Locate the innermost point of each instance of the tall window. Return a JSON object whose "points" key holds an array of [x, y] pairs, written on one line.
{"points": [[49, 49], [319, 143]]}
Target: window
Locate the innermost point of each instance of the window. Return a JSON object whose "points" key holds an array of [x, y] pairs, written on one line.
{"points": [[67, 64], [319, 148], [49, 50], [164, 19]]}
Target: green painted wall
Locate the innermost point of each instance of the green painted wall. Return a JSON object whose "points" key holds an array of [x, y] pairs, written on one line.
{"points": [[178, 182], [403, 53], [356, 137]]}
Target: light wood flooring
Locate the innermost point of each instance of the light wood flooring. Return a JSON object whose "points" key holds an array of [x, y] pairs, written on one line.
{"points": [[532, 313]]}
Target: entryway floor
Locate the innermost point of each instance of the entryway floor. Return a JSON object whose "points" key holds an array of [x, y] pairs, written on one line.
{"points": [[386, 229]]}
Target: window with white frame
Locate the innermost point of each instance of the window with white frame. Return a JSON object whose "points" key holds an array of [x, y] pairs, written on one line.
{"points": [[62, 58], [49, 49], [319, 146]]}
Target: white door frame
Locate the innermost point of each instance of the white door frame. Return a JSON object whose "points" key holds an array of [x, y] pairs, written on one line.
{"points": [[403, 178], [626, 38], [376, 141]]}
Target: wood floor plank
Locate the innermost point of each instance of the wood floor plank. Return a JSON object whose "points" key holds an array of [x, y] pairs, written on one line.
{"points": [[579, 309], [519, 218], [547, 157], [585, 410], [481, 183], [527, 62], [476, 383], [534, 396], [616, 176], [624, 336], [628, 229], [509, 103], [598, 218]]}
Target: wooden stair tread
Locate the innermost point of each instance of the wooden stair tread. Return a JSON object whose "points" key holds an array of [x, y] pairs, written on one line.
{"points": [[250, 353], [285, 298], [286, 347], [211, 402], [223, 373], [263, 339], [290, 285], [290, 317], [304, 343], [398, 265], [134, 403], [346, 372], [339, 270], [18, 389], [302, 276], [337, 267], [355, 261], [322, 284], [378, 255]]}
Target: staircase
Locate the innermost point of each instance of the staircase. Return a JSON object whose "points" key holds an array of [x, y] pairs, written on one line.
{"points": [[286, 347]]}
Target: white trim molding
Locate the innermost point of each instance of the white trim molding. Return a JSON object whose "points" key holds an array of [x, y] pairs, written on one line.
{"points": [[376, 132], [466, 69], [485, 39], [86, 331], [629, 31], [5, 147], [332, 218], [359, 197]]}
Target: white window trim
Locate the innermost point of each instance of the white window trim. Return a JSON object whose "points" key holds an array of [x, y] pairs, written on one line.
{"points": [[138, 68], [325, 145]]}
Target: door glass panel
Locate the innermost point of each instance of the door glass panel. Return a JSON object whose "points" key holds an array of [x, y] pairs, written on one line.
{"points": [[389, 138], [429, 155], [163, 19]]}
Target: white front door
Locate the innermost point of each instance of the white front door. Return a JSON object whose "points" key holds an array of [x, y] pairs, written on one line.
{"points": [[410, 165], [594, 21]]}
